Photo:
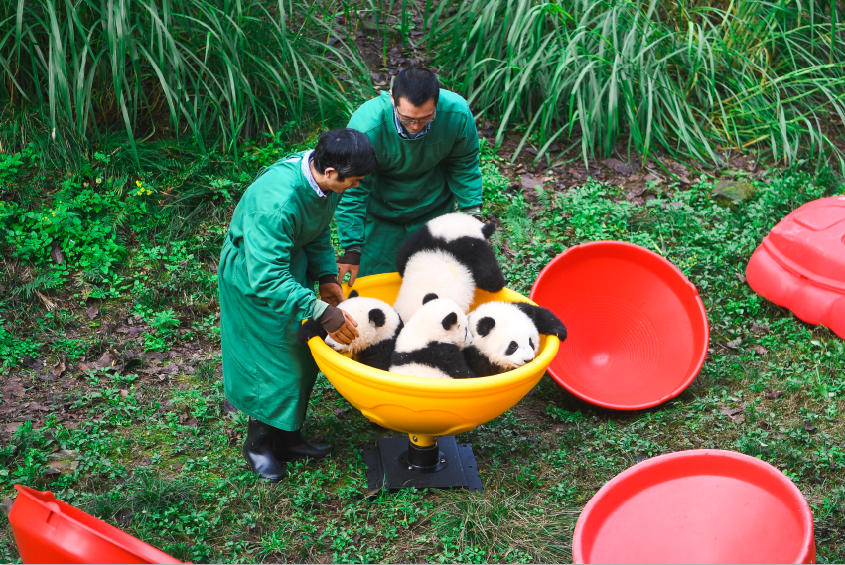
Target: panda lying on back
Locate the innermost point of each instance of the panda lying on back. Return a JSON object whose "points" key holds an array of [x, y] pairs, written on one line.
{"points": [[505, 335], [447, 258], [378, 326]]}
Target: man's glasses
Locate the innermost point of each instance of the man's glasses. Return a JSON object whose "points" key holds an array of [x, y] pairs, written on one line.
{"points": [[408, 121]]}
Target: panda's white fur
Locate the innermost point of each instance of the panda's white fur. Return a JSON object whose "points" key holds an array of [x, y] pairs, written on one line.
{"points": [[369, 332], [434, 272], [430, 344], [450, 227], [512, 342]]}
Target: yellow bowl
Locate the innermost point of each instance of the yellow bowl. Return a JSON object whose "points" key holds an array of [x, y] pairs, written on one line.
{"points": [[427, 408]]}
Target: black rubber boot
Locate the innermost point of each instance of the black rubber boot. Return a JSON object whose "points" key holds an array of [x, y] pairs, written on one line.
{"points": [[258, 451], [291, 445]]}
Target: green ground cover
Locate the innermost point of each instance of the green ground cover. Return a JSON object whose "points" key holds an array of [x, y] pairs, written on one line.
{"points": [[130, 423]]}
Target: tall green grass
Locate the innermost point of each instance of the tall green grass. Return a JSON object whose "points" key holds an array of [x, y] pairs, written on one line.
{"points": [[690, 78], [214, 71]]}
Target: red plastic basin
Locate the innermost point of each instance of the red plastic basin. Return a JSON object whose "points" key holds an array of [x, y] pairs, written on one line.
{"points": [[51, 531], [700, 506], [801, 264], [637, 329]]}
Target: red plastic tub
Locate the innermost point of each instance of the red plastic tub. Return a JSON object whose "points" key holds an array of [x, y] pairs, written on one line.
{"points": [[50, 531], [801, 264], [637, 329], [701, 506]]}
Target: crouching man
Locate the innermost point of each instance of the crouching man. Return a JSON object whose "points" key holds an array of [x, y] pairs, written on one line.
{"points": [[277, 247]]}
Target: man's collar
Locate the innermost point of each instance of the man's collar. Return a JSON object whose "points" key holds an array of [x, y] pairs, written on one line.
{"points": [[306, 170], [403, 132]]}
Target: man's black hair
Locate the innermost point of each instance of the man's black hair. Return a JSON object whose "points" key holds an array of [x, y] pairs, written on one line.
{"points": [[417, 85], [348, 151]]}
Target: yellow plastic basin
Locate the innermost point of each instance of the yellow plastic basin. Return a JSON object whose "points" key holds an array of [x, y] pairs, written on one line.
{"points": [[427, 408]]}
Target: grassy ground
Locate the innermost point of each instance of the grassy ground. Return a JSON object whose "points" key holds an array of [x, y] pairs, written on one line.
{"points": [[113, 398]]}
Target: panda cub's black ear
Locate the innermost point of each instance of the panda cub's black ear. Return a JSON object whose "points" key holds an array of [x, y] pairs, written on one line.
{"points": [[353, 294], [311, 328], [488, 229], [450, 320], [545, 320], [377, 317], [485, 325], [429, 297]]}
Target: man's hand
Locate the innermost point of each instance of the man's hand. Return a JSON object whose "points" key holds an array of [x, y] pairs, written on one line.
{"points": [[343, 268], [348, 263], [332, 293], [347, 331]]}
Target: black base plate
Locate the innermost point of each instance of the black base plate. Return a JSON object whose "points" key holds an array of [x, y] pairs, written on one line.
{"points": [[387, 466]]}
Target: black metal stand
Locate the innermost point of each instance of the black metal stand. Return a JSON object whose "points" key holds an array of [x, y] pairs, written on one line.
{"points": [[396, 463]]}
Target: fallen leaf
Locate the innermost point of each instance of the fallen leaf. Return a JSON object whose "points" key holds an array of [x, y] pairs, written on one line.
{"points": [[760, 350], [192, 423], [735, 343], [51, 472], [731, 411], [38, 406], [124, 393], [92, 312], [531, 151], [373, 493], [7, 506], [738, 419], [740, 276], [759, 328], [12, 427], [56, 252], [618, 166], [104, 361], [13, 387], [809, 427], [32, 363], [58, 368], [774, 395]]}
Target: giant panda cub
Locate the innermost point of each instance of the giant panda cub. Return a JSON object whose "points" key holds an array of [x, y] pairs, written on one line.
{"points": [[447, 258], [431, 342], [505, 335], [378, 327]]}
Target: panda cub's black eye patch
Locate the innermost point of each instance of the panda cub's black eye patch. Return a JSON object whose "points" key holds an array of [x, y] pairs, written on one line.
{"points": [[511, 348], [531, 343]]}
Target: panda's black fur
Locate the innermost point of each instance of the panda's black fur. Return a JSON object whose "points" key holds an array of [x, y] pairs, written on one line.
{"points": [[376, 355], [477, 254], [446, 357]]}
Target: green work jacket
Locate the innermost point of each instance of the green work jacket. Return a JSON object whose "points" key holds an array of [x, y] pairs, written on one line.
{"points": [[416, 180], [277, 246]]}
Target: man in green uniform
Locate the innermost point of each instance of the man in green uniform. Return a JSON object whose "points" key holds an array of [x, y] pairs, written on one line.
{"points": [[277, 247], [427, 147]]}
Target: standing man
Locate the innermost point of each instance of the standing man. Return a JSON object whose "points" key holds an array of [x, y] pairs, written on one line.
{"points": [[278, 246], [427, 147]]}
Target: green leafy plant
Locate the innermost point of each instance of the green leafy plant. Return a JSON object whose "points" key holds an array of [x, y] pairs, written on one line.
{"points": [[687, 77]]}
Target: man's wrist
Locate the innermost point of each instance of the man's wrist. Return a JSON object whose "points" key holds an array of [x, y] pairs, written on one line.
{"points": [[332, 319], [352, 256]]}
